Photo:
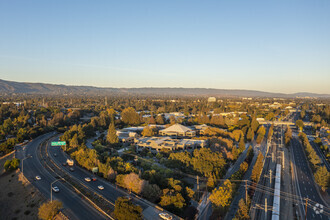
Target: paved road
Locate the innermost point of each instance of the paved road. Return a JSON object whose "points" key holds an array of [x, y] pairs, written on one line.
{"points": [[110, 192], [321, 155], [306, 185], [70, 200]]}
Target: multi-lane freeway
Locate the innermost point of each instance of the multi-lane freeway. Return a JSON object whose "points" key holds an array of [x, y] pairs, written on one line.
{"points": [[305, 183], [75, 207], [109, 193]]}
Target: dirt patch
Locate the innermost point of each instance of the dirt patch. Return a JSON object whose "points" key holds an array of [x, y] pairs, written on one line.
{"points": [[19, 199]]}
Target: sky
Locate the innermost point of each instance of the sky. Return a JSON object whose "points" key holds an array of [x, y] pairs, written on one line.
{"points": [[275, 46]]}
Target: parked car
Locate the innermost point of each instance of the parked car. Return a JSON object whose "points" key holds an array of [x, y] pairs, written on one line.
{"points": [[55, 189], [87, 179], [165, 216], [101, 187], [38, 178]]}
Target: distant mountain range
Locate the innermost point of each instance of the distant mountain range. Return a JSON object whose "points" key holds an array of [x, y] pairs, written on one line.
{"points": [[10, 87]]}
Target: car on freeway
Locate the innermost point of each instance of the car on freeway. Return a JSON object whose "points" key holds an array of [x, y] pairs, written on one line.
{"points": [[87, 179], [100, 187], [55, 189], [38, 178], [55, 155], [71, 169], [64, 164], [94, 179], [165, 216]]}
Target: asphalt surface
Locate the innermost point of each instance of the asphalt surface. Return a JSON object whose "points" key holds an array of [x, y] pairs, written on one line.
{"points": [[110, 192], [79, 209], [306, 186]]}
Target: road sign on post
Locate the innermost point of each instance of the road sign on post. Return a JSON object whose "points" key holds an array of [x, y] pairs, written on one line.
{"points": [[58, 143], [95, 169]]}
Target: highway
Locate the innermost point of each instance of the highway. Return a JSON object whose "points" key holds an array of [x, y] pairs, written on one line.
{"points": [[305, 183], [74, 206], [110, 192]]}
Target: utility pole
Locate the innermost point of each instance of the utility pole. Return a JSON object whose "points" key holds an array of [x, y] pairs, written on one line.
{"points": [[306, 209], [283, 161], [197, 187], [265, 208], [270, 177], [246, 192]]}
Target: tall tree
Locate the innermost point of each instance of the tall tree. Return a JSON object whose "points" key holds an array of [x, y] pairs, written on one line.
{"points": [[322, 177], [126, 210], [257, 168], [49, 210], [222, 196], [300, 124], [112, 137]]}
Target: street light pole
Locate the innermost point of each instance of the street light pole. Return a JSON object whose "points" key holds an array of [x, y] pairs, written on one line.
{"points": [[23, 163], [51, 189]]}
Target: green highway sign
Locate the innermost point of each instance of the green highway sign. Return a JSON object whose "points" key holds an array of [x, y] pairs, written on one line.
{"points": [[58, 143]]}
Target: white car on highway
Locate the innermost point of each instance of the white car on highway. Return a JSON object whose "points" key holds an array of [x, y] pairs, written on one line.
{"points": [[55, 189], [38, 178], [165, 216], [87, 179], [100, 187]]}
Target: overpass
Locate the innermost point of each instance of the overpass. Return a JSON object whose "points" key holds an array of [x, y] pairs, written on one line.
{"points": [[283, 123]]}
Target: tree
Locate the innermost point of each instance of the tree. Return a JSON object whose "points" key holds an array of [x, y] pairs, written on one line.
{"points": [[126, 210], [74, 141], [172, 200], [241, 145], [234, 152], [133, 183], [222, 196], [261, 134], [314, 158], [129, 116], [148, 131], [190, 192], [300, 124], [254, 124], [288, 136], [210, 182], [11, 164], [243, 210], [49, 209], [250, 135], [257, 168], [322, 177], [151, 192], [160, 119], [112, 137], [152, 120]]}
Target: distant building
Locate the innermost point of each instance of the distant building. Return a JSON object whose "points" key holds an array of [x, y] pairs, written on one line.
{"points": [[156, 144], [324, 131], [211, 99], [178, 130], [127, 137]]}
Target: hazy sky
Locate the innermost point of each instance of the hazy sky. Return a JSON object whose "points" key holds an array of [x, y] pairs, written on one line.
{"points": [[280, 46]]}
